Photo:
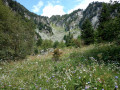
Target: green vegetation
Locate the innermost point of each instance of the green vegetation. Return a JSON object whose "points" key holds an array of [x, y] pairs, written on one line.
{"points": [[94, 65], [16, 35], [108, 29], [87, 32], [61, 45], [56, 54], [47, 44], [24, 13], [73, 71], [61, 29], [91, 11], [107, 53], [70, 41], [42, 45], [66, 20], [56, 44]]}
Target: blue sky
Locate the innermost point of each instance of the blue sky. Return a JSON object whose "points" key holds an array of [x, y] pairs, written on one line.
{"points": [[55, 7]]}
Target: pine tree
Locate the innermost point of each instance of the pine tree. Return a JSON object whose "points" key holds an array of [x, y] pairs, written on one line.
{"points": [[87, 33], [103, 19], [109, 23]]}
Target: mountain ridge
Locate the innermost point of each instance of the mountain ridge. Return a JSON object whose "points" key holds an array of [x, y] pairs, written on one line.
{"points": [[69, 22]]}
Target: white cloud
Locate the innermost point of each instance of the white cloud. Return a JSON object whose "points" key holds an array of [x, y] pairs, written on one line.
{"points": [[51, 9], [55, 1], [84, 3], [36, 8]]}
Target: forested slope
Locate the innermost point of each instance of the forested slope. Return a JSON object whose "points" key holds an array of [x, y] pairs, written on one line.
{"points": [[16, 34]]}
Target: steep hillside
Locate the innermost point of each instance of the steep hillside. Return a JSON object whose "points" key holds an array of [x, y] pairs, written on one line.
{"points": [[16, 35], [58, 33], [68, 21], [92, 12], [73, 20], [45, 25], [41, 22], [64, 24]]}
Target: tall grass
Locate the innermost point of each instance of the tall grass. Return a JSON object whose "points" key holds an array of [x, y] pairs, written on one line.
{"points": [[73, 72], [104, 52]]}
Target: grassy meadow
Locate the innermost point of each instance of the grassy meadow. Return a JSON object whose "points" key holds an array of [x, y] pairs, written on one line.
{"points": [[78, 69]]}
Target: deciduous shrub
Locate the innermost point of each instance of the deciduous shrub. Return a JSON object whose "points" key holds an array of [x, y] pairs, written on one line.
{"points": [[56, 54]]}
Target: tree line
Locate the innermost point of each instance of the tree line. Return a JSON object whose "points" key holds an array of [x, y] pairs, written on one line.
{"points": [[109, 26]]}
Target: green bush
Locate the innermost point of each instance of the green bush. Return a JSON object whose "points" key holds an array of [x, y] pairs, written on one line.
{"points": [[55, 45], [76, 43], [39, 42], [58, 44], [36, 51], [46, 44], [106, 53], [61, 45]]}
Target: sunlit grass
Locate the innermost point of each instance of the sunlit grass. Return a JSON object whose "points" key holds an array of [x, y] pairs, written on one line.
{"points": [[58, 28], [40, 72]]}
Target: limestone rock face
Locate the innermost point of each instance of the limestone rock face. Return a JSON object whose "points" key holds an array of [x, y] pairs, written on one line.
{"points": [[57, 26], [92, 12], [68, 21]]}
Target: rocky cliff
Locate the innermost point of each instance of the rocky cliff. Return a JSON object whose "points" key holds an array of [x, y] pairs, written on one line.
{"points": [[40, 21], [68, 21], [47, 27], [92, 12]]}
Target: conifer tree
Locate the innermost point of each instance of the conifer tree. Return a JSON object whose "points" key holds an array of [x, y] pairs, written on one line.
{"points": [[87, 33], [103, 19], [109, 23]]}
